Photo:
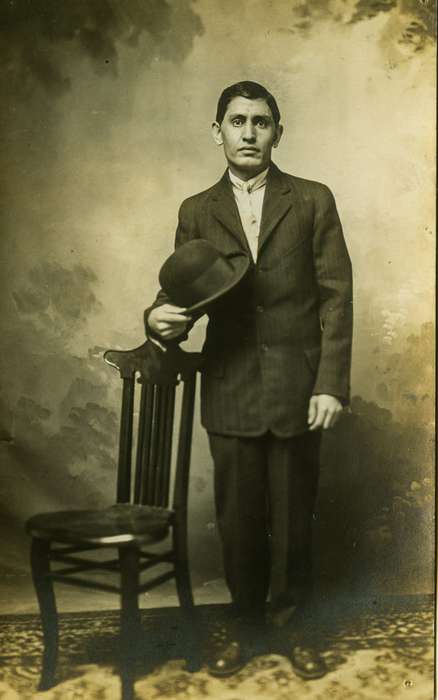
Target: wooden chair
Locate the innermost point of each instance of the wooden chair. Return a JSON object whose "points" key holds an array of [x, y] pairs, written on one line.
{"points": [[141, 516]]}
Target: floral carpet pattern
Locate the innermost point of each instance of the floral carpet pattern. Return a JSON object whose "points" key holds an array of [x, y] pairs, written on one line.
{"points": [[373, 650]]}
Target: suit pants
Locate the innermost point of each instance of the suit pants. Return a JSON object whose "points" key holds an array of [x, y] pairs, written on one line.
{"points": [[265, 491]]}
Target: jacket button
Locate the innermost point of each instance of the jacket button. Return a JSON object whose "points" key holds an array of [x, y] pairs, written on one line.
{"points": [[264, 348], [260, 309]]}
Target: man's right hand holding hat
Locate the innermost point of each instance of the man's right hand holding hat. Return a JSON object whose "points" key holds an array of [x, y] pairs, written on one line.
{"points": [[194, 276], [168, 322]]}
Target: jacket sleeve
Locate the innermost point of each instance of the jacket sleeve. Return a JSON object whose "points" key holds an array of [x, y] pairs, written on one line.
{"points": [[334, 279], [185, 231]]}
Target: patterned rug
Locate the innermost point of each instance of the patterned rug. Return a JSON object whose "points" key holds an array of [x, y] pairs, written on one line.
{"points": [[373, 650]]}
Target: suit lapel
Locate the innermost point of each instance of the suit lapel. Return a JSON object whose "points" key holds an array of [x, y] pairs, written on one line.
{"points": [[225, 210], [276, 203]]}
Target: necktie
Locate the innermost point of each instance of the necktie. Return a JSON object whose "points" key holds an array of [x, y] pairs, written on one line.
{"points": [[249, 220]]}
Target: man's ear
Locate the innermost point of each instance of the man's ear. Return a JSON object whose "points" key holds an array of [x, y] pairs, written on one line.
{"points": [[217, 134], [278, 135]]}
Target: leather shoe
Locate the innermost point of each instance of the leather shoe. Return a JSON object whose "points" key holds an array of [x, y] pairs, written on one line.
{"points": [[307, 662], [225, 654]]}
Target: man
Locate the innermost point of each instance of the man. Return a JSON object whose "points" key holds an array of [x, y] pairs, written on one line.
{"points": [[277, 364]]}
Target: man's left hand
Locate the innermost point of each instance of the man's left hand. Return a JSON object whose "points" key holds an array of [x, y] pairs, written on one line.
{"points": [[324, 411]]}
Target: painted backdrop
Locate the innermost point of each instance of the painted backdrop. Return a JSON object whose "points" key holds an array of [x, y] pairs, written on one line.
{"points": [[106, 119]]}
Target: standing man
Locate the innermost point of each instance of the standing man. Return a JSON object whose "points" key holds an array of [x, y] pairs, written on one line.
{"points": [[276, 374]]}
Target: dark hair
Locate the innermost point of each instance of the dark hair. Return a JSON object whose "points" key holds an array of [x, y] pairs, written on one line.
{"points": [[250, 90]]}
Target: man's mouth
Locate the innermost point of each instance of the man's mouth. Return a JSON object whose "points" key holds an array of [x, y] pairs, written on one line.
{"points": [[251, 149]]}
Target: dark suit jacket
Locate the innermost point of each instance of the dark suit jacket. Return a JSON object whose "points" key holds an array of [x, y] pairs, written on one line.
{"points": [[284, 333]]}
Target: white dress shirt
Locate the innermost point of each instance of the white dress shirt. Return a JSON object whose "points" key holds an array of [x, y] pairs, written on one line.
{"points": [[249, 195]]}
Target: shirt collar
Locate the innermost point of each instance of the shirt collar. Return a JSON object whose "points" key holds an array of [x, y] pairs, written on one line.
{"points": [[253, 184]]}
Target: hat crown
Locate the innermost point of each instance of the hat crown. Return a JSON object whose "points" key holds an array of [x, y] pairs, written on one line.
{"points": [[188, 262], [197, 273]]}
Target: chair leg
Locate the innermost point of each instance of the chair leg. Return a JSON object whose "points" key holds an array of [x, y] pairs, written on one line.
{"points": [[185, 596], [40, 563], [182, 571], [130, 624]]}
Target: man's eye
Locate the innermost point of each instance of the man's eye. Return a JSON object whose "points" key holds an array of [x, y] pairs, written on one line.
{"points": [[262, 123], [237, 122]]}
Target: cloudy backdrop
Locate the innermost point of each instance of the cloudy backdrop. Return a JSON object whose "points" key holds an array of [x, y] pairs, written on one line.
{"points": [[106, 113]]}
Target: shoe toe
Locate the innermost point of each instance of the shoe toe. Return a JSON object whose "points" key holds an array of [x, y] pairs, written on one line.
{"points": [[307, 663], [226, 658]]}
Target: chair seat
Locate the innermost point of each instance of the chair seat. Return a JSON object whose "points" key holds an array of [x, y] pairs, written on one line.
{"points": [[117, 525]]}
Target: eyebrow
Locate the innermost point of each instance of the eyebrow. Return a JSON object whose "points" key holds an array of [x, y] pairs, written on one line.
{"points": [[254, 116]]}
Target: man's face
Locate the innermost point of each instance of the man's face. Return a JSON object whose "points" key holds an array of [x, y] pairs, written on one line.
{"points": [[247, 133]]}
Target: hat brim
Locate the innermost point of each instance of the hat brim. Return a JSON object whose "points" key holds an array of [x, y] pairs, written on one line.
{"points": [[241, 267]]}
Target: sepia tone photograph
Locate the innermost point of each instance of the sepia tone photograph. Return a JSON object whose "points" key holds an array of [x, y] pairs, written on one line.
{"points": [[218, 349]]}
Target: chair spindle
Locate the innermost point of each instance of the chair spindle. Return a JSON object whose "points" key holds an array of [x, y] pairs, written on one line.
{"points": [[158, 486], [167, 451], [125, 444]]}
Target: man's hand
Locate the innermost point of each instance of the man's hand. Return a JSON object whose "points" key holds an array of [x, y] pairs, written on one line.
{"points": [[324, 411], [167, 321]]}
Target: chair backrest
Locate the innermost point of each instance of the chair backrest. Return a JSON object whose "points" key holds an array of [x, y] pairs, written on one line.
{"points": [[158, 374]]}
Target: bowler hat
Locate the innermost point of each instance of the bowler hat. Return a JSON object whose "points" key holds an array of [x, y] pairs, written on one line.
{"points": [[197, 273]]}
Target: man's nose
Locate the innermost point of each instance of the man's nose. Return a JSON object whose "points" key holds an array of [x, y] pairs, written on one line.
{"points": [[249, 132]]}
